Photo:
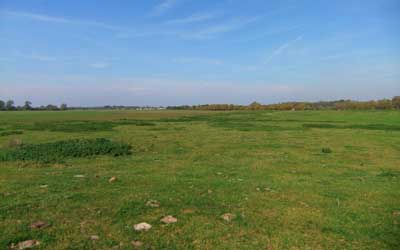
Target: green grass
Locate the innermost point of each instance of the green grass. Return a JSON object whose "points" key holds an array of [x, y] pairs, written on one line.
{"points": [[268, 168]]}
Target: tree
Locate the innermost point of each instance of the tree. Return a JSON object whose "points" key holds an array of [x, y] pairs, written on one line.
{"points": [[2, 105], [10, 105], [396, 102], [384, 104], [63, 106], [51, 107], [255, 106], [27, 105]]}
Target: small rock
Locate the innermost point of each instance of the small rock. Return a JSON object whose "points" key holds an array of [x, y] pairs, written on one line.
{"points": [[169, 219], [44, 186], [15, 142], [142, 226], [94, 237], [79, 176], [228, 217], [137, 244], [210, 191], [28, 244], [258, 189], [112, 179], [39, 225], [153, 203]]}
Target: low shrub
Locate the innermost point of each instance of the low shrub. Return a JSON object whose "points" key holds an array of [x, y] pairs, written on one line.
{"points": [[61, 150], [326, 150]]}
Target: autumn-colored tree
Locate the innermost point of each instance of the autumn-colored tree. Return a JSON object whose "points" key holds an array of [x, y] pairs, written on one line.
{"points": [[396, 102]]}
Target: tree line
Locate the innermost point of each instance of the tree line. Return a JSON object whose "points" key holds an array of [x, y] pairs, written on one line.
{"points": [[10, 106], [383, 104]]}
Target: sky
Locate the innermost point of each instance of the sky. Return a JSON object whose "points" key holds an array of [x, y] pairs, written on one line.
{"points": [[175, 52]]}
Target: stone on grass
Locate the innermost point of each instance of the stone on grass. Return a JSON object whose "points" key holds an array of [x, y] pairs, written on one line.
{"points": [[39, 225], [44, 186], [15, 142], [169, 219], [28, 244], [142, 226], [79, 176], [228, 217], [137, 244], [112, 179], [94, 237], [153, 203]]}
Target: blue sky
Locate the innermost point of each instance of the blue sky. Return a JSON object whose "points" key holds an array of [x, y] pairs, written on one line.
{"points": [[172, 52]]}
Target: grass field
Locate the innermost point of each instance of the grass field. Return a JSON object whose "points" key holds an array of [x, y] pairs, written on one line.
{"points": [[295, 180]]}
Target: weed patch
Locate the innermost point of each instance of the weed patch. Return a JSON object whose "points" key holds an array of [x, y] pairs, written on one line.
{"points": [[13, 132], [59, 151], [383, 127], [389, 174]]}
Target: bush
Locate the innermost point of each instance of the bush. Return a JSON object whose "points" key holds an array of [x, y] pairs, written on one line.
{"points": [[326, 150], [61, 150]]}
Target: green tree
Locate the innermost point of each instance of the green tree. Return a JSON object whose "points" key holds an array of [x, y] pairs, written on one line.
{"points": [[2, 105], [51, 107], [27, 105], [10, 105], [63, 106]]}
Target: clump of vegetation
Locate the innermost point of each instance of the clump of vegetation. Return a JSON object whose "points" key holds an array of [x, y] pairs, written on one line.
{"points": [[383, 127], [13, 132], [61, 150], [15, 142], [389, 173], [326, 150], [83, 126]]}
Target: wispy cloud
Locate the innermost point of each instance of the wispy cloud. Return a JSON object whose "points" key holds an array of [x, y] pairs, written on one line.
{"points": [[208, 32], [283, 47], [100, 65], [60, 20], [215, 30], [163, 7], [196, 60], [198, 17], [35, 56]]}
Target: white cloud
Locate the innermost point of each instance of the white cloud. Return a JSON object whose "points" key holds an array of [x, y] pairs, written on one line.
{"points": [[59, 20], [196, 60], [163, 7], [100, 65], [198, 17], [35, 56], [282, 48], [215, 30]]}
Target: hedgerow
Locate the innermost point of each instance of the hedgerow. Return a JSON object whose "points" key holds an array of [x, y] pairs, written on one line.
{"points": [[61, 150]]}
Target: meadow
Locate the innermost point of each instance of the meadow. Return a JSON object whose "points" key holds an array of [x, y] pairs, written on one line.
{"points": [[291, 180]]}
